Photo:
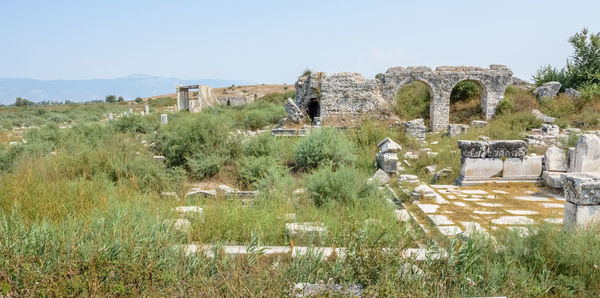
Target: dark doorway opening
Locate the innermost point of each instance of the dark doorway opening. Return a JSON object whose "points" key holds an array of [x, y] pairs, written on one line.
{"points": [[229, 102], [314, 109]]}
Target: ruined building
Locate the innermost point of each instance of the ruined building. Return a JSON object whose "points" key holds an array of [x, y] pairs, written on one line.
{"points": [[204, 99], [345, 98]]}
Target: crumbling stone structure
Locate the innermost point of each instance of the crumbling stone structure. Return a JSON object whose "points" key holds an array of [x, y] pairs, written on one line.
{"points": [[236, 100], [205, 98], [350, 95]]}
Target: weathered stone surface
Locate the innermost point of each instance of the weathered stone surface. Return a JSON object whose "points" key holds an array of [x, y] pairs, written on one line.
{"points": [[555, 160], [552, 179], [548, 89], [481, 167], [550, 129], [163, 119], [572, 93], [294, 113], [305, 228], [387, 162], [388, 145], [528, 167], [587, 154], [415, 128], [329, 289], [479, 123], [457, 129], [492, 149], [581, 216], [545, 118], [380, 177], [581, 188], [442, 80]]}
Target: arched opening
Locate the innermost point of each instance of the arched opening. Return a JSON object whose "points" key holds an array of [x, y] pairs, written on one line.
{"points": [[228, 102], [313, 109], [413, 101], [466, 101]]}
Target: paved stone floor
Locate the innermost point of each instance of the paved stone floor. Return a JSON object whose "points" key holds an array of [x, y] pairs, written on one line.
{"points": [[453, 209]]}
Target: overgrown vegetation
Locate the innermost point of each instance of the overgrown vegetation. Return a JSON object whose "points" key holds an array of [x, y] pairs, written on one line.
{"points": [[81, 211]]}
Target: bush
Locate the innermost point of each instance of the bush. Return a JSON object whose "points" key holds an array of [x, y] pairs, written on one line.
{"points": [[326, 184], [465, 91], [253, 169], [205, 165], [136, 123], [326, 145], [110, 98], [264, 144], [412, 101]]}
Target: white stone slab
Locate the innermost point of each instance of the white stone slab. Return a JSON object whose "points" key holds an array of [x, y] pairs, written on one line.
{"points": [[451, 197], [481, 167], [488, 204], [500, 192], [428, 208], [402, 215], [482, 212], [472, 199], [554, 220], [553, 205], [449, 230], [472, 228], [473, 192], [522, 212], [182, 210], [440, 220], [532, 198], [460, 204], [512, 220]]}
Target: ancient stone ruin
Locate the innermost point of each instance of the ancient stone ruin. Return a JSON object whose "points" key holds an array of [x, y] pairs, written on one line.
{"points": [[345, 98], [236, 100], [205, 98], [497, 161]]}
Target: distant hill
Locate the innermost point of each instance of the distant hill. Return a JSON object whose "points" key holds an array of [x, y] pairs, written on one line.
{"points": [[129, 87]]}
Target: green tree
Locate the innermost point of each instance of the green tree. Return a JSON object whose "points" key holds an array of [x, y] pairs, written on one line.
{"points": [[110, 98], [121, 99], [138, 99], [22, 102], [584, 68]]}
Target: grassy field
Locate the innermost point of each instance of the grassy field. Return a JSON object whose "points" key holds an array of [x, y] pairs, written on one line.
{"points": [[81, 212]]}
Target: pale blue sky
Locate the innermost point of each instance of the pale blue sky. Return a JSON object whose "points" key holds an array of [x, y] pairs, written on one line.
{"points": [[274, 41]]}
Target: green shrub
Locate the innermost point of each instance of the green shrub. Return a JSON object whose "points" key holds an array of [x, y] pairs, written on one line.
{"points": [[505, 106], [205, 165], [412, 101], [321, 146], [465, 91], [136, 123], [253, 169], [326, 185], [523, 121]]}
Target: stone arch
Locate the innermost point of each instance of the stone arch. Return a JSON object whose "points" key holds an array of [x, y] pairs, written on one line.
{"points": [[483, 92]]}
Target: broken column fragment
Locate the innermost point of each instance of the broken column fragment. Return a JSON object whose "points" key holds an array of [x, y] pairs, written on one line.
{"points": [[387, 158]]}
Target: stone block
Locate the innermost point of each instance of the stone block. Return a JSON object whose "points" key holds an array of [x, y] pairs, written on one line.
{"points": [[164, 119], [380, 177], [580, 216], [552, 179], [416, 129], [581, 188], [387, 145], [529, 167], [555, 160], [587, 154], [387, 162], [294, 113], [479, 123], [548, 89], [457, 129], [493, 149], [481, 167], [545, 118]]}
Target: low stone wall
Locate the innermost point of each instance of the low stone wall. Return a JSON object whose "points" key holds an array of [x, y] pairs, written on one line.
{"points": [[497, 161]]}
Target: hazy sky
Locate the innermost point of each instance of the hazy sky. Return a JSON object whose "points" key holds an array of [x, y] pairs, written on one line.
{"points": [[274, 41]]}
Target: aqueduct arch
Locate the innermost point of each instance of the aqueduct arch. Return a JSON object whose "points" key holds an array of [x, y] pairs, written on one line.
{"points": [[492, 82], [350, 95]]}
